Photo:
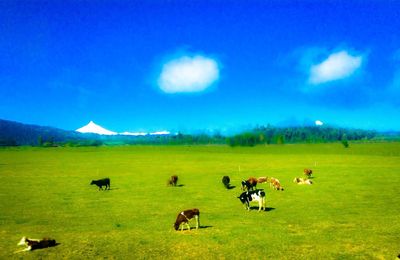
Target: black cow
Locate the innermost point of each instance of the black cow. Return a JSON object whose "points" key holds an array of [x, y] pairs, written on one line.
{"points": [[255, 195], [102, 182], [247, 185], [225, 181]]}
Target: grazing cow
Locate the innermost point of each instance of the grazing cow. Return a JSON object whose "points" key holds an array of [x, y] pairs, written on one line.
{"points": [[275, 183], [102, 182], [302, 181], [262, 179], [255, 195], [32, 244], [173, 180], [185, 216], [308, 172], [253, 181], [250, 184], [225, 181]]}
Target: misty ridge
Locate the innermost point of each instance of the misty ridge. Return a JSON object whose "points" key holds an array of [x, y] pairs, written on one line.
{"points": [[19, 134]]}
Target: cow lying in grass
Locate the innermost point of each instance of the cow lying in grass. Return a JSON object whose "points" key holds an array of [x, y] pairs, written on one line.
{"points": [[302, 181], [102, 182], [173, 180], [185, 216], [255, 195], [225, 181], [250, 184], [275, 184], [32, 244], [307, 172]]}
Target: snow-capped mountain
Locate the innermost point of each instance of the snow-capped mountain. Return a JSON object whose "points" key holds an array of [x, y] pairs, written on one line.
{"points": [[134, 133], [95, 129]]}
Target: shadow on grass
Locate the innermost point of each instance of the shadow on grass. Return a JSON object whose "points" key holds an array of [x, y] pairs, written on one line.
{"points": [[256, 208], [194, 228], [205, 226], [108, 189], [231, 187], [180, 185]]}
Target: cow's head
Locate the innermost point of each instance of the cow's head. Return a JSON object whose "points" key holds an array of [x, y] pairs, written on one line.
{"points": [[244, 185], [176, 225], [243, 197], [22, 241]]}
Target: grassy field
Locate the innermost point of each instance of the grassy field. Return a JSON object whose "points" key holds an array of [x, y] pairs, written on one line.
{"points": [[351, 211]]}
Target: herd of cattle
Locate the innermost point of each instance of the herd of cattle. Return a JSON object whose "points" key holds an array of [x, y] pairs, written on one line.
{"points": [[250, 193]]}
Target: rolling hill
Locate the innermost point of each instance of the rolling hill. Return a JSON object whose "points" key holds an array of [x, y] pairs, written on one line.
{"points": [[14, 133]]}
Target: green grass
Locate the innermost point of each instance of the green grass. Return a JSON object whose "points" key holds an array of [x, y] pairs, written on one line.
{"points": [[352, 210]]}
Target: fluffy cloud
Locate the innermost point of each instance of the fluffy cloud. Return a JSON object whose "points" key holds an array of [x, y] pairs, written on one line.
{"points": [[188, 74], [337, 66]]}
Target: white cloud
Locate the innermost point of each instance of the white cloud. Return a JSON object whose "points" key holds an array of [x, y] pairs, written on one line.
{"points": [[188, 74], [318, 122], [337, 66]]}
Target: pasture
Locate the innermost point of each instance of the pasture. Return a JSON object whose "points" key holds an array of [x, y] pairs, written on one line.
{"points": [[351, 211]]}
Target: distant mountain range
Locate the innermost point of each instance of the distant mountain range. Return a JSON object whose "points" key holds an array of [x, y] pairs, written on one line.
{"points": [[15, 133], [94, 128]]}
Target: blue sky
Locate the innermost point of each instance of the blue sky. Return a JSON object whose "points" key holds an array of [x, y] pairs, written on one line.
{"points": [[184, 65]]}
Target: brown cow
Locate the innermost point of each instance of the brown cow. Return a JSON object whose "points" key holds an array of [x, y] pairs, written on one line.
{"points": [[262, 179], [250, 184], [275, 183], [185, 216], [253, 181], [173, 180], [308, 172]]}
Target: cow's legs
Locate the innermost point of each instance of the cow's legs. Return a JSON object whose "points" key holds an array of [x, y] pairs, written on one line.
{"points": [[197, 221]]}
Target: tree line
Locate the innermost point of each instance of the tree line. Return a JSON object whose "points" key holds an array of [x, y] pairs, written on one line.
{"points": [[311, 134]]}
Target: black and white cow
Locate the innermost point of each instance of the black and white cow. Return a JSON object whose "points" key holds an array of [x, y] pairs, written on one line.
{"points": [[102, 182], [255, 195], [32, 244]]}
